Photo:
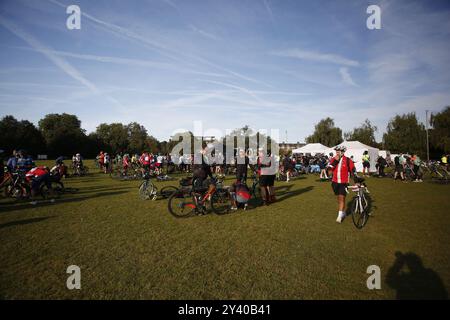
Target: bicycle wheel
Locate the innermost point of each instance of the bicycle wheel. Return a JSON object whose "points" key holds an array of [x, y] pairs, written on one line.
{"points": [[147, 190], [167, 191], [221, 202], [181, 204], [14, 191], [359, 215]]}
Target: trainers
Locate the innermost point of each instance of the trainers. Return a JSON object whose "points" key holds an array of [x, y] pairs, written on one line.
{"points": [[33, 203], [340, 218], [234, 208]]}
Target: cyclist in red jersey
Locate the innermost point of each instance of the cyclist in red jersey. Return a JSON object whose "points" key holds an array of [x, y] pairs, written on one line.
{"points": [[145, 160], [342, 168], [37, 176]]}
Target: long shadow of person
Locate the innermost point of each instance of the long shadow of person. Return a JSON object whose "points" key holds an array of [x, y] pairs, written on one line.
{"points": [[416, 282]]}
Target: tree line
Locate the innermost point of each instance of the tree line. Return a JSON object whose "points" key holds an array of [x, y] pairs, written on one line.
{"points": [[62, 134], [404, 133]]}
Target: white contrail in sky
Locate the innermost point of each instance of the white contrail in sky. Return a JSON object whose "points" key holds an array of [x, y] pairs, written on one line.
{"points": [[58, 61]]}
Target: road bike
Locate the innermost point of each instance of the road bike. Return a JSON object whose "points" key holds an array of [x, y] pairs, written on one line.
{"points": [[360, 205], [187, 202]]}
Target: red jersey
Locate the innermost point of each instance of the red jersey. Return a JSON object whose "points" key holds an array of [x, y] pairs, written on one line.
{"points": [[145, 159], [342, 169], [36, 172]]}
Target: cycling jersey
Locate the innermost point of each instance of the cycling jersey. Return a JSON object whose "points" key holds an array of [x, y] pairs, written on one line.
{"points": [[365, 158], [36, 172], [145, 159], [342, 169]]}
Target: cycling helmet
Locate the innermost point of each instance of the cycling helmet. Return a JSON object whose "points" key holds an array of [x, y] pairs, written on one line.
{"points": [[340, 148]]}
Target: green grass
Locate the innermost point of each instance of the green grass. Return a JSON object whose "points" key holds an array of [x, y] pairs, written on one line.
{"points": [[133, 249]]}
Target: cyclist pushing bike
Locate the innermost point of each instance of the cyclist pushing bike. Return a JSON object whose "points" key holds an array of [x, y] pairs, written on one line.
{"points": [[342, 168]]}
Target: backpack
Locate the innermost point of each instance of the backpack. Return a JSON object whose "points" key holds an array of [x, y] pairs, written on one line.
{"points": [[242, 193]]}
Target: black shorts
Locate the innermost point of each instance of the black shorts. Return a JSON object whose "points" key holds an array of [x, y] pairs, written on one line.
{"points": [[399, 168], [339, 188], [366, 164], [267, 181]]}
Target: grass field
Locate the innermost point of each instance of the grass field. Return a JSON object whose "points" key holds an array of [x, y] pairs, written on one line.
{"points": [[133, 249]]}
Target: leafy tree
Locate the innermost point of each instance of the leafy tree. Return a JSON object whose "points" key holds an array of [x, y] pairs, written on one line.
{"points": [[113, 136], [137, 138], [440, 134], [23, 134], [364, 134], [326, 133], [62, 133], [405, 134]]}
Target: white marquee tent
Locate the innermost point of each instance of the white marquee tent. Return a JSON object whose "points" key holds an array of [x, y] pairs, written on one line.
{"points": [[312, 148], [356, 149]]}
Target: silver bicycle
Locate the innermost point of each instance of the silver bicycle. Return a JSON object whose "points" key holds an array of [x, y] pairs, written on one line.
{"points": [[360, 204]]}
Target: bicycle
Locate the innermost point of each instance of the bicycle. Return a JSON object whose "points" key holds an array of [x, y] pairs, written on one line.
{"points": [[148, 190], [184, 203], [360, 203]]}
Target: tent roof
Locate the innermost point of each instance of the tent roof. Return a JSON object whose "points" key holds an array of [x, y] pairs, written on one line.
{"points": [[356, 145], [311, 147]]}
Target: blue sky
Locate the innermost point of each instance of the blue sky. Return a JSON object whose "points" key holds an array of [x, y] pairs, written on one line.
{"points": [[270, 64]]}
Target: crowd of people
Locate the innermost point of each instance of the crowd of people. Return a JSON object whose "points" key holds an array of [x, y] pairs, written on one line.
{"points": [[265, 166]]}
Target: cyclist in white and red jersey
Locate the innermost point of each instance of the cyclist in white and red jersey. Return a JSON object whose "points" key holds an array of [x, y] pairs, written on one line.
{"points": [[145, 160], [342, 168]]}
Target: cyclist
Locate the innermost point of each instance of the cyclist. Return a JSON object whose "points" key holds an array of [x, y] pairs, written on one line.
{"points": [[266, 171], [106, 162], [101, 160], [399, 170], [24, 162], [342, 168], [125, 163], [11, 164], [145, 161], [79, 161], [201, 170], [366, 163], [242, 163], [444, 161], [323, 161], [38, 176], [287, 167], [59, 168], [417, 170]]}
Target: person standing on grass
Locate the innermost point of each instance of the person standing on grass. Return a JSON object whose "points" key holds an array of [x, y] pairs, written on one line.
{"points": [[323, 167], [106, 162], [342, 168], [242, 163], [101, 161], [366, 163], [398, 169], [287, 166], [417, 170], [267, 172]]}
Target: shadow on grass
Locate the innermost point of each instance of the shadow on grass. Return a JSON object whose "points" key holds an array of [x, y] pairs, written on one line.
{"points": [[289, 194], [412, 281], [42, 203], [22, 222]]}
